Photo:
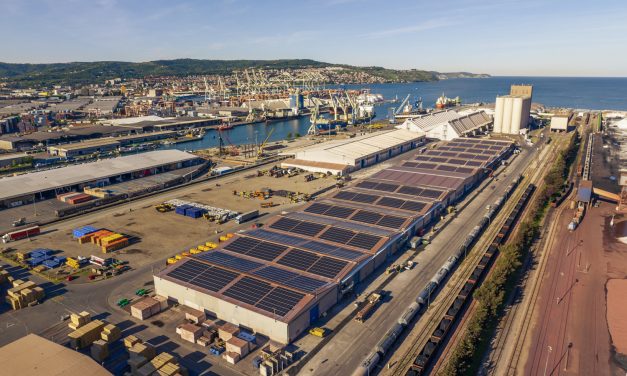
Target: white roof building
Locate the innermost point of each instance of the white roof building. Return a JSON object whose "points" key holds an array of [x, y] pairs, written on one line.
{"points": [[448, 125], [342, 156]]}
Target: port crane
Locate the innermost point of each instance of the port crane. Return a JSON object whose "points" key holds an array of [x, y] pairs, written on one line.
{"points": [[403, 104], [315, 113], [263, 144]]}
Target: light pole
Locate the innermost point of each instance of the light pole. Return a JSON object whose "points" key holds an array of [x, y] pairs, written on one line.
{"points": [[548, 355]]}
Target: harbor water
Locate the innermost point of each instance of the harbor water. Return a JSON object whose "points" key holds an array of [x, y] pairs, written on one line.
{"points": [[572, 92]]}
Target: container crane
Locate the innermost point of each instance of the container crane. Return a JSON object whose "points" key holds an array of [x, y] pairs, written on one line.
{"points": [[403, 104]]}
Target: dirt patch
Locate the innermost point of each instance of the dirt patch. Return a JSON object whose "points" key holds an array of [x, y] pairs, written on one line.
{"points": [[616, 310]]}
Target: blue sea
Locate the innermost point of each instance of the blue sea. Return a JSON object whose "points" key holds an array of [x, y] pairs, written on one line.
{"points": [[581, 93]]}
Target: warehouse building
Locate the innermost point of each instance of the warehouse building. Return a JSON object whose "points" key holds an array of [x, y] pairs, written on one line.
{"points": [[22, 189], [33, 355], [78, 149], [559, 122], [448, 125], [279, 279], [344, 156]]}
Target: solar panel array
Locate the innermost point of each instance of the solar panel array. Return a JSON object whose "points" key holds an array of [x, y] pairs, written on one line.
{"points": [[439, 167], [276, 300], [419, 192], [310, 262], [312, 245], [358, 215], [202, 275], [352, 238], [385, 201], [259, 249]]}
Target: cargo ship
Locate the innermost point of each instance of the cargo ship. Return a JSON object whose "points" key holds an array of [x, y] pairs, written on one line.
{"points": [[225, 127], [329, 125], [445, 102]]}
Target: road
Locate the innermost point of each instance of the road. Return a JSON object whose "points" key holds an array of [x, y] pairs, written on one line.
{"points": [[346, 350]]}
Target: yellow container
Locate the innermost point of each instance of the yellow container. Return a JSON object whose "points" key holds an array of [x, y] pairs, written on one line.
{"points": [[178, 257], [230, 235], [223, 238], [172, 260], [195, 251], [211, 245], [185, 254]]}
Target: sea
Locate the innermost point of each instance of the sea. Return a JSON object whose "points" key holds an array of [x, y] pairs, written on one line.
{"points": [[570, 92]]}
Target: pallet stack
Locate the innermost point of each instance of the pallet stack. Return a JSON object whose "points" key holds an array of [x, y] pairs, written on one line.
{"points": [[110, 333], [100, 350], [86, 334], [24, 294], [4, 275], [79, 320]]}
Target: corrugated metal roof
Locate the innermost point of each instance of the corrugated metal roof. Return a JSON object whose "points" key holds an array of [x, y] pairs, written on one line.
{"points": [[34, 182]]}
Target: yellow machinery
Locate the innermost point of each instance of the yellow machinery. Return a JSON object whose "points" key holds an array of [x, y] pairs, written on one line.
{"points": [[318, 332]]}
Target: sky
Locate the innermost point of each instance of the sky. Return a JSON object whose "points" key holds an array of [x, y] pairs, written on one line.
{"points": [[498, 37]]}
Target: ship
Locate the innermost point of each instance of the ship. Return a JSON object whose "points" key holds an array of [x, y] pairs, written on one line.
{"points": [[445, 102], [224, 127], [329, 125]]}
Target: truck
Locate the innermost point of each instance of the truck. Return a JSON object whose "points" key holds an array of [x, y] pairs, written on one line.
{"points": [[415, 242], [20, 234], [370, 304], [246, 216]]}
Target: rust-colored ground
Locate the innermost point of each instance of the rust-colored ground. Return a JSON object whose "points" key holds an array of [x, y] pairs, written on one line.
{"points": [[616, 310], [570, 334]]}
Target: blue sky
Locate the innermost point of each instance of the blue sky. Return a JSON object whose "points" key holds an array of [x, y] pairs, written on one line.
{"points": [[500, 37]]}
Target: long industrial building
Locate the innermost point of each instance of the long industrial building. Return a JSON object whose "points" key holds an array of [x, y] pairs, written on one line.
{"points": [[449, 124], [22, 189], [279, 279], [344, 156]]}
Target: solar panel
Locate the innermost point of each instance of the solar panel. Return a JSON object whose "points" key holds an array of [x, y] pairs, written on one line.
{"points": [[431, 193], [365, 241], [391, 221], [280, 301], [410, 164], [407, 190], [368, 199], [367, 217], [387, 187], [229, 261], [305, 283], [391, 202], [446, 168], [344, 195], [275, 237], [327, 267], [275, 274], [464, 170], [267, 251], [284, 224], [255, 248], [367, 184], [298, 259], [248, 290], [317, 208], [413, 206], [307, 228], [456, 161], [339, 212], [202, 275], [337, 235], [332, 250]]}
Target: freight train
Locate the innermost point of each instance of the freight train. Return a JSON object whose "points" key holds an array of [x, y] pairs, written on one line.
{"points": [[423, 300]]}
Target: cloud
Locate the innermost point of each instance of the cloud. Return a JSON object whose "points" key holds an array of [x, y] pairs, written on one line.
{"points": [[423, 26]]}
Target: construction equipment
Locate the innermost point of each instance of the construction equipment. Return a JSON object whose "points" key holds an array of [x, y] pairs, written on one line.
{"points": [[370, 303], [263, 144], [318, 332], [265, 205], [164, 207], [19, 222]]}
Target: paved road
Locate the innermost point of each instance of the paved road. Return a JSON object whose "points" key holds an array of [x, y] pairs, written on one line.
{"points": [[346, 350]]}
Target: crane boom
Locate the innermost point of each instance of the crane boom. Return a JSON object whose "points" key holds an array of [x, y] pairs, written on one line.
{"points": [[403, 103]]}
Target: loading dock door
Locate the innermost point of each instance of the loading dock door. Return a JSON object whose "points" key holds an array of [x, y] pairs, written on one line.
{"points": [[314, 313]]}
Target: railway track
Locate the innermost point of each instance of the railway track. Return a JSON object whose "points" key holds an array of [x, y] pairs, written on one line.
{"points": [[450, 292]]}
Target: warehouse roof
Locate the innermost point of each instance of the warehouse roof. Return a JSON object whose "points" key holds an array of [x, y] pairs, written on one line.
{"points": [[348, 151], [31, 183], [87, 144], [33, 355]]}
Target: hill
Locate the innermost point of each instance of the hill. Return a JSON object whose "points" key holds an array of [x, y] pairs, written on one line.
{"points": [[80, 73]]}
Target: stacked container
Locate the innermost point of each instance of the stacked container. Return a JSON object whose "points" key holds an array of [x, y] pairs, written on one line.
{"points": [[194, 212], [79, 199], [82, 231], [181, 209]]}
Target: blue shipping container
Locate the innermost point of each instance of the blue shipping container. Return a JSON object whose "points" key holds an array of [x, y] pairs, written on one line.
{"points": [[181, 209]]}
